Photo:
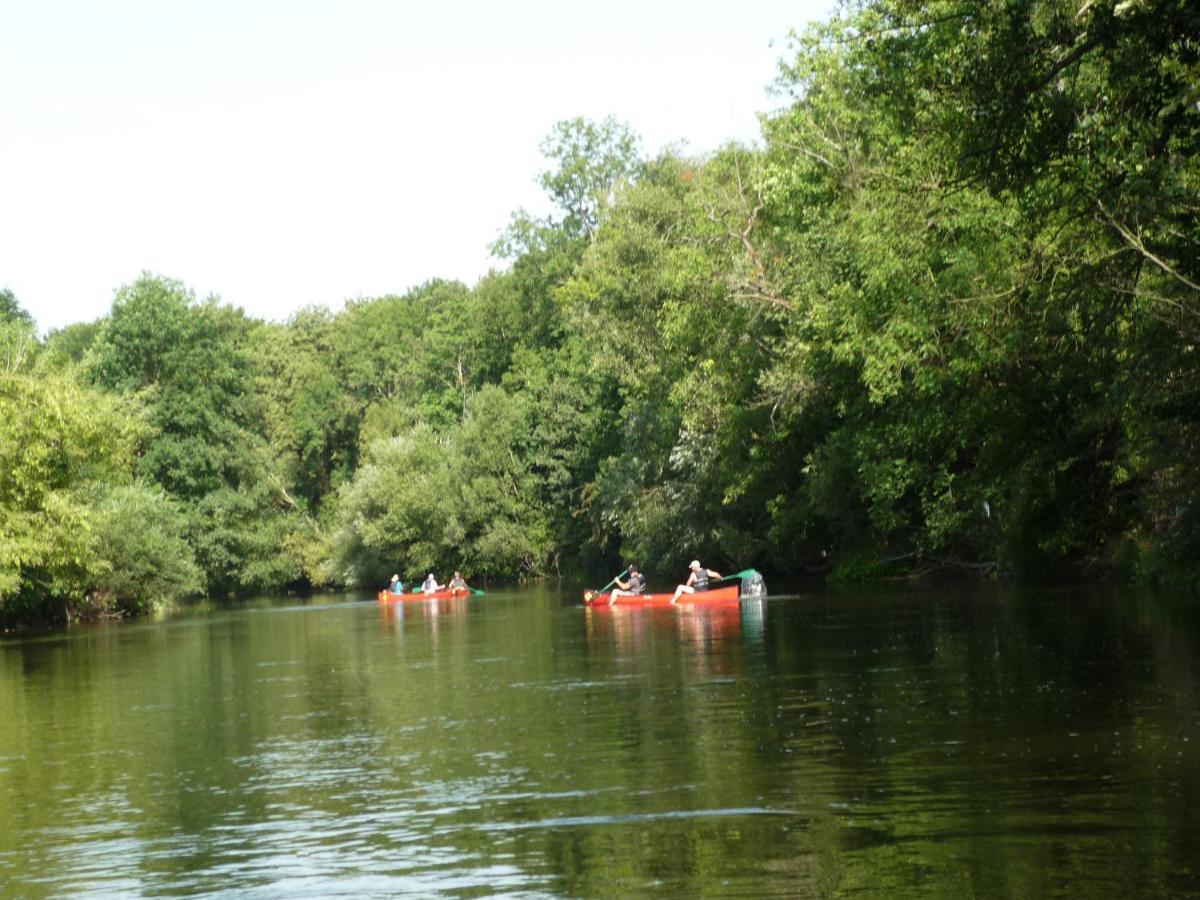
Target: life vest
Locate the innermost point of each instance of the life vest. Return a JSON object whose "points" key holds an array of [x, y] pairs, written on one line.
{"points": [[700, 579], [637, 583], [457, 583]]}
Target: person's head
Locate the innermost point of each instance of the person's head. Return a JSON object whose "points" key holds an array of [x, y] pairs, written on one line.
{"points": [[395, 578], [695, 565], [633, 569], [457, 574]]}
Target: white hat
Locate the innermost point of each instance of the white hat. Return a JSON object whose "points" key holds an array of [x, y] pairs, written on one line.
{"points": [[695, 564]]}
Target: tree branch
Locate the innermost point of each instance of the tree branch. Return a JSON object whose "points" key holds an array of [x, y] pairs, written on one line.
{"points": [[1139, 245]]}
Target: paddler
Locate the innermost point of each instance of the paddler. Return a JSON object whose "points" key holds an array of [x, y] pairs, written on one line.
{"points": [[631, 588], [458, 585], [431, 586], [397, 586], [697, 581]]}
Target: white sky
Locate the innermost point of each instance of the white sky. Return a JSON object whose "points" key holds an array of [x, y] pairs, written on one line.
{"points": [[280, 153]]}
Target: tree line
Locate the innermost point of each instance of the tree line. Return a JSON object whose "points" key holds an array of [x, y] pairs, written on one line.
{"points": [[943, 316]]}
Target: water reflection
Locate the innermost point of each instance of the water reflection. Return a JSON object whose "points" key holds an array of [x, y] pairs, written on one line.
{"points": [[627, 628], [973, 743], [754, 614], [432, 616]]}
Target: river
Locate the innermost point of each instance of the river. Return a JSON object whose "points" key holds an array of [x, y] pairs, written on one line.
{"points": [[965, 741]]}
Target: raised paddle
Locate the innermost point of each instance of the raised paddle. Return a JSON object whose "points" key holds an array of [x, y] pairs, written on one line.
{"points": [[588, 595], [745, 573]]}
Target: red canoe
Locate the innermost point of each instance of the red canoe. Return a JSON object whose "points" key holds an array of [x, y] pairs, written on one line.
{"points": [[389, 597], [728, 594]]}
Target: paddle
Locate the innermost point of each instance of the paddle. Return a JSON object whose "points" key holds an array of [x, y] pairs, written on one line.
{"points": [[476, 591], [745, 573], [590, 595]]}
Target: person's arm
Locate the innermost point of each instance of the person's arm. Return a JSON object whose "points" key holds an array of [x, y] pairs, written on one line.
{"points": [[712, 574], [623, 585], [691, 578]]}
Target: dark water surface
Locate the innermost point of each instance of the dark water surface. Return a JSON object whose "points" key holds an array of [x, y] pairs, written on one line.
{"points": [[965, 742]]}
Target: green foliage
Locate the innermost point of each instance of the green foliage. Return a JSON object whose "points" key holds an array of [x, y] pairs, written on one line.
{"points": [[946, 316], [465, 500], [148, 563], [18, 334], [389, 513], [860, 568], [68, 346], [593, 159], [677, 290], [313, 420], [195, 365], [191, 361], [11, 310], [955, 371], [60, 444]]}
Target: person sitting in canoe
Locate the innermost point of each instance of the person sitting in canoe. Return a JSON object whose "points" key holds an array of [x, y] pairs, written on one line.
{"points": [[431, 586], [397, 586], [697, 580], [631, 588], [458, 585]]}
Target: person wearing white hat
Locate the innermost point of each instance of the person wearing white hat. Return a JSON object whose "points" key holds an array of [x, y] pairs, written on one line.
{"points": [[698, 580]]}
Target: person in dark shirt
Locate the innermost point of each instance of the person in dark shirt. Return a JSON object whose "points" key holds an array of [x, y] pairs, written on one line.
{"points": [[631, 588]]}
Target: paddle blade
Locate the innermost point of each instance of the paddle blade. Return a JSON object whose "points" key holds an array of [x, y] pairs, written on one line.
{"points": [[753, 585]]}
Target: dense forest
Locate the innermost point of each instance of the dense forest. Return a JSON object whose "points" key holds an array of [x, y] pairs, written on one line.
{"points": [[943, 316]]}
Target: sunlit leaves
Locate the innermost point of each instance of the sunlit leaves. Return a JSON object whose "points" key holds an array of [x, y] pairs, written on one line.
{"points": [[61, 444]]}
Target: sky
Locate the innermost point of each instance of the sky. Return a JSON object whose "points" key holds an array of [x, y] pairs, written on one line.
{"points": [[286, 153]]}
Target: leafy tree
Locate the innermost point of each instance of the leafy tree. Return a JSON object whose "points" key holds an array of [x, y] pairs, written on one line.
{"points": [[11, 310], [592, 159], [194, 365], [674, 286], [393, 514], [69, 345], [959, 361], [147, 560], [571, 424], [313, 420], [60, 445], [589, 163], [18, 334]]}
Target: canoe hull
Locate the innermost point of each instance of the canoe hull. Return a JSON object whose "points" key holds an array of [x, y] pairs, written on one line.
{"points": [[727, 594], [389, 597]]}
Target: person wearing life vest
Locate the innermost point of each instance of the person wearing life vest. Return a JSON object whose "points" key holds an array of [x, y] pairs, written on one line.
{"points": [[631, 588], [458, 585], [397, 586], [431, 586], [697, 581]]}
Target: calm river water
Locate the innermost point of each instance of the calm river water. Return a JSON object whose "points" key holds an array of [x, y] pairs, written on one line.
{"points": [[965, 742]]}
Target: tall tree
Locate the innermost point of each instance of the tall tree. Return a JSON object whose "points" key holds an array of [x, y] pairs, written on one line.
{"points": [[193, 363]]}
